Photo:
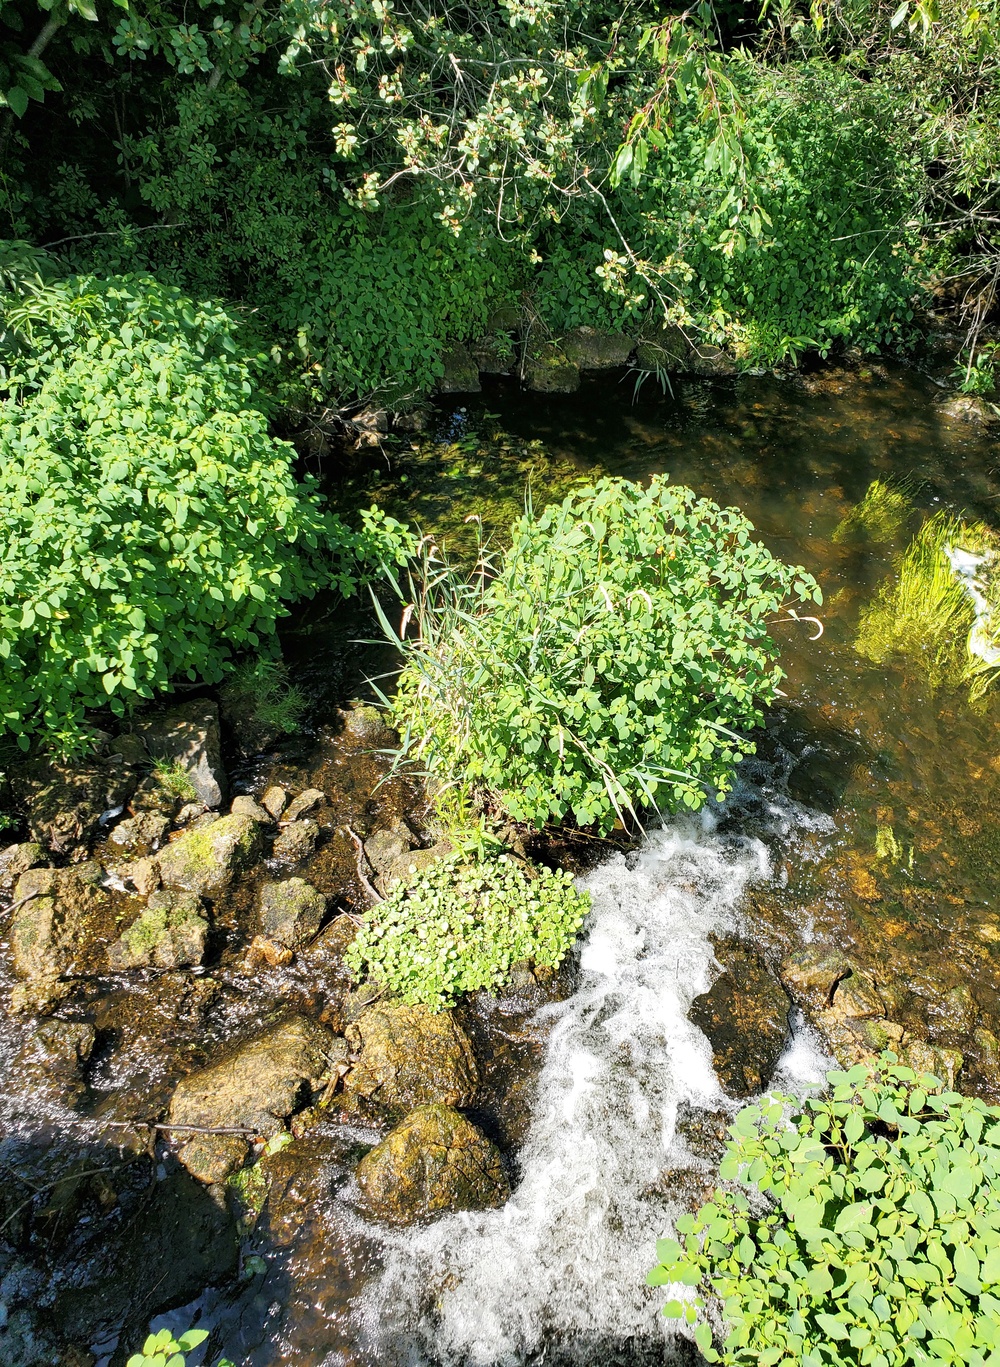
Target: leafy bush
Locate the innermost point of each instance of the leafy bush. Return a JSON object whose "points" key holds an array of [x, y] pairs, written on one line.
{"points": [[612, 656], [461, 925], [870, 1233], [150, 522]]}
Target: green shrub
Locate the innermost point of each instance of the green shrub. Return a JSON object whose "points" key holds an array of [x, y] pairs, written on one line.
{"points": [[462, 924], [615, 656], [870, 1233], [150, 522]]}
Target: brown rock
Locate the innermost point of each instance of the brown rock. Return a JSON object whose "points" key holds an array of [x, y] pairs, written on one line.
{"points": [[274, 801], [305, 802], [745, 1016], [246, 806], [296, 842], [409, 1056], [188, 735], [434, 1161]]}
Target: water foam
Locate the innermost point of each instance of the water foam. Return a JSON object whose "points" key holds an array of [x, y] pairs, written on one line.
{"points": [[560, 1270]]}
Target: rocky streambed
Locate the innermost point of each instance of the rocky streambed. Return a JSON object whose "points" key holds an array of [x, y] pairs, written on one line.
{"points": [[204, 1117]]}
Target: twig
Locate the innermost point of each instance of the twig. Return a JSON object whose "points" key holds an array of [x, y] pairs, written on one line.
{"points": [[179, 1129], [69, 1177], [359, 846]]}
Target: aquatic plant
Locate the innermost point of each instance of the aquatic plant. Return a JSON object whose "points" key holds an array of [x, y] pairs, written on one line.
{"points": [[462, 924], [880, 516], [924, 612], [163, 1350], [859, 1227], [261, 689], [615, 655]]}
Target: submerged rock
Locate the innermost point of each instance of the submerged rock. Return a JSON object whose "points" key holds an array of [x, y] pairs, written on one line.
{"points": [[296, 842], [745, 1016], [432, 1162], [409, 1056], [256, 1088], [169, 933], [205, 859], [591, 349], [188, 735], [291, 912]]}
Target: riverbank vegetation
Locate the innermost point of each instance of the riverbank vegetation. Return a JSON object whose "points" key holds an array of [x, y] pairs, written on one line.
{"points": [[859, 1227]]}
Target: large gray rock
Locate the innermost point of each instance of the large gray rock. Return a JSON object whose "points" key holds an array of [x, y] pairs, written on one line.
{"points": [[169, 933], [256, 1088], [409, 1056], [205, 859], [434, 1161], [591, 349], [291, 912], [188, 735]]}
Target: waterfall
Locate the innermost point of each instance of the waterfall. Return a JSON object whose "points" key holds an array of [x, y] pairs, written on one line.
{"points": [[559, 1272]]}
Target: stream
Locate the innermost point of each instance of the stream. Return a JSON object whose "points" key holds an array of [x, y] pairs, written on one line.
{"points": [[865, 826]]}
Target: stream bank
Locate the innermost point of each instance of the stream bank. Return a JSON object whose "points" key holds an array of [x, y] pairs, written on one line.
{"points": [[712, 957]]}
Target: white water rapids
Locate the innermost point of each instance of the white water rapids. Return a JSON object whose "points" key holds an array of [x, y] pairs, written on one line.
{"points": [[559, 1272]]}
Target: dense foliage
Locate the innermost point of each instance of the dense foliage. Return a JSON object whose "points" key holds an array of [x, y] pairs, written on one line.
{"points": [[151, 524], [615, 655], [862, 1227], [463, 924], [375, 179]]}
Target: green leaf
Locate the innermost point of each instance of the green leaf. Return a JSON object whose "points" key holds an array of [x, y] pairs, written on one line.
{"points": [[17, 99]]}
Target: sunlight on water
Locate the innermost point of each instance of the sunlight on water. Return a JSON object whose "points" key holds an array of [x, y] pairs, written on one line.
{"points": [[563, 1263]]}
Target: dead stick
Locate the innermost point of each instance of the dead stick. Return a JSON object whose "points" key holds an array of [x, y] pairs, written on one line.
{"points": [[180, 1129], [70, 1177], [358, 845]]}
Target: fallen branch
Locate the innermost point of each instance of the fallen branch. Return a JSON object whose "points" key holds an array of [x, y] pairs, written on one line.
{"points": [[362, 877]]}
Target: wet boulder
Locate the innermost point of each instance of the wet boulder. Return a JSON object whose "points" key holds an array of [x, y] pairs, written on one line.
{"points": [[247, 806], [169, 933], [296, 841], [591, 349], [409, 1056], [460, 372], [745, 1016], [811, 977], [710, 361], [188, 736], [494, 354], [66, 802], [291, 912], [256, 1088], [548, 370], [434, 1161], [205, 859], [274, 801], [141, 834], [18, 859], [368, 724], [307, 801], [60, 927]]}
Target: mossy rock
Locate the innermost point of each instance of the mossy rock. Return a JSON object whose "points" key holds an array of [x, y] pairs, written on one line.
{"points": [[548, 370], [461, 374], [664, 348], [592, 349], [205, 860], [433, 1162], [169, 933], [409, 1056], [291, 911]]}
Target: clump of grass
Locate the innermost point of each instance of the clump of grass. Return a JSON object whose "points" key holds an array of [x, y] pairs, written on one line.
{"points": [[174, 780], [880, 516], [925, 613], [260, 688]]}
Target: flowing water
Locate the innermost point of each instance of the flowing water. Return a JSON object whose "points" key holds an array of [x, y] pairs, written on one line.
{"points": [[866, 822]]}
